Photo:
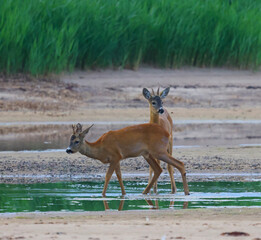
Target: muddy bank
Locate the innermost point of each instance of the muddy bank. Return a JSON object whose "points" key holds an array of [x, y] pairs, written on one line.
{"points": [[202, 164]]}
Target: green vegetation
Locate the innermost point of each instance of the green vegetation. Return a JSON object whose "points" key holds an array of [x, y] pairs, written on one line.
{"points": [[46, 36]]}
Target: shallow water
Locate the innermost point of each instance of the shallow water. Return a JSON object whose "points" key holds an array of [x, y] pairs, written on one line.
{"points": [[86, 196], [190, 133]]}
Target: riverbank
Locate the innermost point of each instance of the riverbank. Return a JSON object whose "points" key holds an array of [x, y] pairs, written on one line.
{"points": [[151, 224], [202, 164]]}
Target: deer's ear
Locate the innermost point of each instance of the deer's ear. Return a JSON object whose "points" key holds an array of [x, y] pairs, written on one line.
{"points": [[86, 131], [165, 92], [146, 93]]}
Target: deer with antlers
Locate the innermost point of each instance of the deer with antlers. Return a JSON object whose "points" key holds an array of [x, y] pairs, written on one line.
{"points": [[147, 140], [160, 115]]}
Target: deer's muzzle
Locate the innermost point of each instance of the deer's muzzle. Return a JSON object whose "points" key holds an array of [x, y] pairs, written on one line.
{"points": [[161, 110], [69, 151]]}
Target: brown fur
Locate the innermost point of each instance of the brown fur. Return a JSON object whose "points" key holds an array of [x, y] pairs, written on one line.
{"points": [[163, 120], [147, 140]]}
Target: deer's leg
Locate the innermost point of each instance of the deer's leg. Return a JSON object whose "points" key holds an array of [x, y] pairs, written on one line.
{"points": [[107, 178], [157, 171], [170, 168], [179, 165], [155, 186], [118, 173], [151, 171], [172, 180], [150, 177]]}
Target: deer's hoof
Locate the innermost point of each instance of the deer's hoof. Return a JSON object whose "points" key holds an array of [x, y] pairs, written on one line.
{"points": [[173, 191]]}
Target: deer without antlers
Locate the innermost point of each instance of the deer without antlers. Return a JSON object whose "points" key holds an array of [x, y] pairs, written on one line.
{"points": [[147, 140], [160, 115]]}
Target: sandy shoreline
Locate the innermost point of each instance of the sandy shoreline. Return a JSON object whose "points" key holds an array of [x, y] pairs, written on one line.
{"points": [[151, 224]]}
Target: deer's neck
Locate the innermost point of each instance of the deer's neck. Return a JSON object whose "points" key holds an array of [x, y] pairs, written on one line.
{"points": [[90, 150], [154, 116]]}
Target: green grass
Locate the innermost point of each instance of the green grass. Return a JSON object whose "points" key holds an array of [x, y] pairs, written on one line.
{"points": [[46, 36]]}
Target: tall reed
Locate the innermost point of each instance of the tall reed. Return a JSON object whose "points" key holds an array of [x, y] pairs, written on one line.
{"points": [[46, 36]]}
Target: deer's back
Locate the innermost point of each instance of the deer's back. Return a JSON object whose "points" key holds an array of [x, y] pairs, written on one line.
{"points": [[134, 140]]}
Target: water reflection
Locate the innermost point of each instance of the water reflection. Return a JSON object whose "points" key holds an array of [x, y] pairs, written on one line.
{"points": [[86, 196], [153, 205], [106, 205]]}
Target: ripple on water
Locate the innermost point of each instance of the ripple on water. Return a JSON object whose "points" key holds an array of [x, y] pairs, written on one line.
{"points": [[86, 196]]}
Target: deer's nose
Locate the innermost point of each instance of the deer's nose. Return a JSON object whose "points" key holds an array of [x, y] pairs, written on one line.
{"points": [[69, 151], [161, 110]]}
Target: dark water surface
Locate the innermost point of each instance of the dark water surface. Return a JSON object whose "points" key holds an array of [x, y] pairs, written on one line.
{"points": [[86, 196]]}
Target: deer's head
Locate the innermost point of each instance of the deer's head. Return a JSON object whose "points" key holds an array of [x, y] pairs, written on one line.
{"points": [[155, 99], [77, 138]]}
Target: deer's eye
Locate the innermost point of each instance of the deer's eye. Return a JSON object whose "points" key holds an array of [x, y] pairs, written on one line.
{"points": [[77, 142], [153, 103]]}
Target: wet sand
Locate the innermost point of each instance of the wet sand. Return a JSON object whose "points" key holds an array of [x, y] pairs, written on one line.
{"points": [[202, 164]]}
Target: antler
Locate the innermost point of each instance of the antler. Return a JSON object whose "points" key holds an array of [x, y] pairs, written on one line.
{"points": [[74, 129], [153, 93], [158, 91], [78, 128]]}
